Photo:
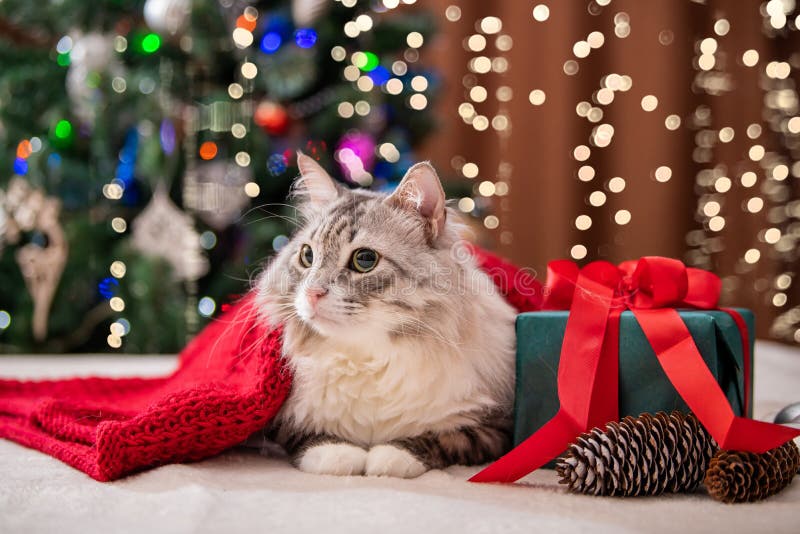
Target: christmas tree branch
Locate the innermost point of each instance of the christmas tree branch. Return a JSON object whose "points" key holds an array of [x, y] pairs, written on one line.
{"points": [[24, 36]]}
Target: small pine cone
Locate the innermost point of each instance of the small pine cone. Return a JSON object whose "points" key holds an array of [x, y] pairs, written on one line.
{"points": [[645, 455], [739, 476]]}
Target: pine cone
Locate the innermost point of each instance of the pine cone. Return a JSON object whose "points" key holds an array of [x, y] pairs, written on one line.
{"points": [[738, 476], [645, 455]]}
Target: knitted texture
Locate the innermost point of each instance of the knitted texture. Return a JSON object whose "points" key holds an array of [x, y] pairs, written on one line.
{"points": [[230, 382]]}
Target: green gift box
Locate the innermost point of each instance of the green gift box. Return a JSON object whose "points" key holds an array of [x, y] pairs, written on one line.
{"points": [[643, 385]]}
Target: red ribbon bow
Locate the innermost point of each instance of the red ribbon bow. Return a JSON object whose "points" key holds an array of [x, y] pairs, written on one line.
{"points": [[588, 372]]}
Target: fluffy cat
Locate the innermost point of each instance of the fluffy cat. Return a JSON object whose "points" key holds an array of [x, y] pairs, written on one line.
{"points": [[402, 350]]}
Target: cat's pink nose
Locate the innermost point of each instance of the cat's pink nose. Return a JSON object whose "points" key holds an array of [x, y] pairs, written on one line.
{"points": [[313, 294]]}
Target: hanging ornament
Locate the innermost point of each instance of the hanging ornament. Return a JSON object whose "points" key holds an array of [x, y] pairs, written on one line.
{"points": [[271, 117], [162, 230], [355, 154], [220, 192], [307, 12], [167, 16], [41, 261], [91, 56]]}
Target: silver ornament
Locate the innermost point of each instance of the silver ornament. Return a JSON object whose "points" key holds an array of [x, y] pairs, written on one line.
{"points": [[218, 196], [167, 16], [306, 12], [93, 51], [162, 230]]}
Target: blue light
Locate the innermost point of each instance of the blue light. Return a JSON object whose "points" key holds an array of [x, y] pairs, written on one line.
{"points": [[276, 164], [380, 75], [167, 136], [270, 42], [54, 160], [206, 306], [20, 166], [126, 325], [305, 37], [106, 287], [279, 242]]}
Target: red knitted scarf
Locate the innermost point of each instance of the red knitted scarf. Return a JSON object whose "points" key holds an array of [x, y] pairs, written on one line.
{"points": [[229, 383]]}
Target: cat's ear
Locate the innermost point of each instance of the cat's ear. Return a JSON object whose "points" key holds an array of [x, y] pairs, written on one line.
{"points": [[421, 191], [314, 183]]}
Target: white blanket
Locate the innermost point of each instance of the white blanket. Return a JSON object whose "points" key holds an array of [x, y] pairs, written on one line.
{"points": [[242, 491]]}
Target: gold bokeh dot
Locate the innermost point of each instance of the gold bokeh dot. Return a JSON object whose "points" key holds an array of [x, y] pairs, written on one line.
{"points": [[578, 252], [119, 225], [772, 235], [251, 189], [586, 173], [752, 255], [452, 13], [748, 179], [486, 188], [116, 304], [235, 91], [716, 223], [755, 204], [541, 12], [616, 184], [723, 184], [480, 123], [476, 42], [470, 170], [663, 173], [711, 208], [581, 153], [597, 198], [414, 39], [466, 204], [537, 97], [570, 67], [583, 222], [750, 58], [672, 122], [622, 217], [649, 102], [491, 25], [249, 70], [491, 222], [118, 269], [478, 93], [756, 152]]}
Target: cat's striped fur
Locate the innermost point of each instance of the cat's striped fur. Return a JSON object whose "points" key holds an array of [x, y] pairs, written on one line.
{"points": [[399, 369]]}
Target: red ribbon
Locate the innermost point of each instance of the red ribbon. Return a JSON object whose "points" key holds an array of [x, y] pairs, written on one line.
{"points": [[588, 372]]}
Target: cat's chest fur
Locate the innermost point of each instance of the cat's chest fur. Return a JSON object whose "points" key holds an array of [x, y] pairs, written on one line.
{"points": [[383, 392]]}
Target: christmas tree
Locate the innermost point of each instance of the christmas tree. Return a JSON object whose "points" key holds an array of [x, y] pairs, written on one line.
{"points": [[148, 148]]}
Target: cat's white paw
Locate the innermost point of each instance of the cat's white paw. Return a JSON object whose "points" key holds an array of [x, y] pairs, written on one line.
{"points": [[340, 459], [391, 461]]}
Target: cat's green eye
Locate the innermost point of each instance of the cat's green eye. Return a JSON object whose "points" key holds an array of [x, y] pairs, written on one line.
{"points": [[364, 260], [306, 256]]}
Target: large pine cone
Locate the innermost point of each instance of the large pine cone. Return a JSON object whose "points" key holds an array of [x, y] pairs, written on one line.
{"points": [[738, 476], [645, 455]]}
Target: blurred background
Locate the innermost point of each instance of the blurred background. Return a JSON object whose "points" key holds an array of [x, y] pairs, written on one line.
{"points": [[147, 146]]}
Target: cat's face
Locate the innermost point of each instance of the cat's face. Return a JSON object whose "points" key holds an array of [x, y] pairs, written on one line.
{"points": [[363, 263]]}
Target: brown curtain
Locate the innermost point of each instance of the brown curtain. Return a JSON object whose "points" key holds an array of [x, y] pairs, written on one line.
{"points": [[675, 188]]}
